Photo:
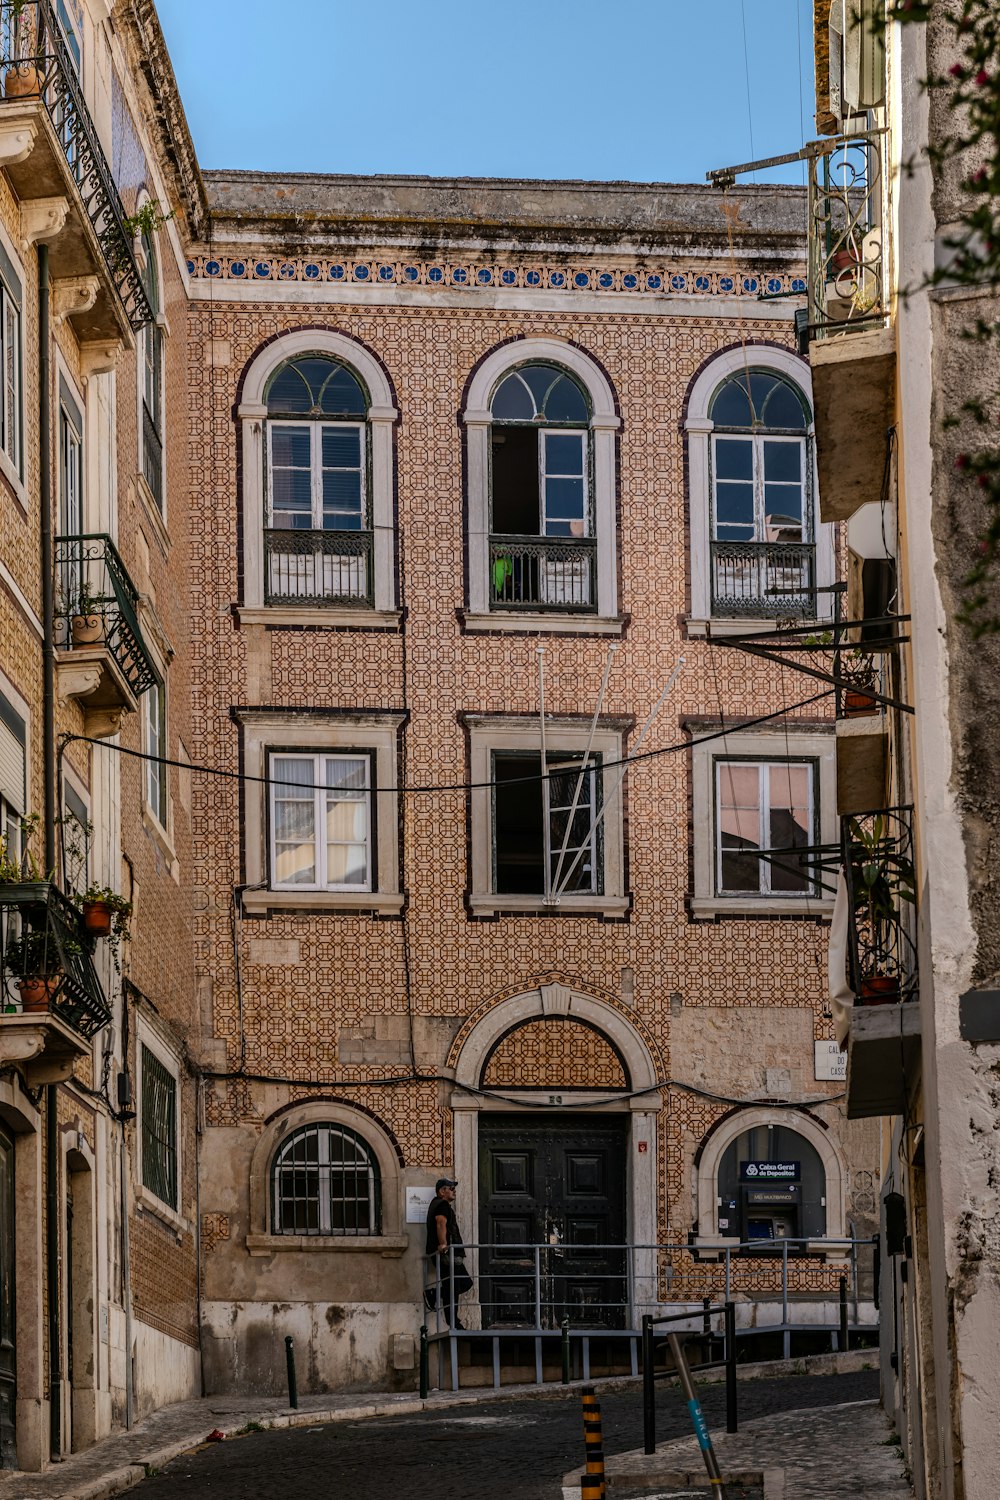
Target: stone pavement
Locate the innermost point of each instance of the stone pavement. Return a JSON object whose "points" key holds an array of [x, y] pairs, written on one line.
{"points": [[823, 1453], [125, 1458]]}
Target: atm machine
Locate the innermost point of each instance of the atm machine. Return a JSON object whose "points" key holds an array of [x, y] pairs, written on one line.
{"points": [[770, 1201]]}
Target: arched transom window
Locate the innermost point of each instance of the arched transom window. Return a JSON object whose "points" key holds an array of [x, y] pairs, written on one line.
{"points": [[318, 526], [762, 532], [542, 548], [325, 1181]]}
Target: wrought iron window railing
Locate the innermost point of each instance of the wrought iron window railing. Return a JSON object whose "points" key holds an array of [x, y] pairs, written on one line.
{"points": [[763, 578], [42, 938], [35, 63], [849, 271], [877, 850], [318, 567], [97, 604], [535, 573]]}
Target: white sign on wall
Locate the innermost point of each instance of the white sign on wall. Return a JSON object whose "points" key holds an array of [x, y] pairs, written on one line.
{"points": [[418, 1201], [831, 1063]]}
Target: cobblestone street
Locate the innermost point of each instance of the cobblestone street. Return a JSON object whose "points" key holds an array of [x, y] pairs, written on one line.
{"points": [[515, 1447]]}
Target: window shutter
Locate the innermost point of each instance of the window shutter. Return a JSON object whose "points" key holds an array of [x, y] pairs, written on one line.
{"points": [[13, 765]]}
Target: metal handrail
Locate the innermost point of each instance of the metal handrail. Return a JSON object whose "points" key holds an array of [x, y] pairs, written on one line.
{"points": [[775, 578], [292, 557], [36, 64], [878, 863], [37, 914], [93, 581], [849, 236], [544, 573]]}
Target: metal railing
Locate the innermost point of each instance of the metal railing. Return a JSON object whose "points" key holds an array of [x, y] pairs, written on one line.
{"points": [[763, 578], [318, 567], [42, 938], [535, 573], [849, 217], [97, 604], [878, 867], [35, 64], [650, 1374]]}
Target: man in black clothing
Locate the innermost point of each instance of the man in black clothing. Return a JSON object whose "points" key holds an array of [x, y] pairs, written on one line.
{"points": [[444, 1241]]}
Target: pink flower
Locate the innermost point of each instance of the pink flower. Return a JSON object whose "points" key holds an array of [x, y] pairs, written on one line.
{"points": [[956, 70], [982, 78], [984, 481], [962, 461], [984, 548]]}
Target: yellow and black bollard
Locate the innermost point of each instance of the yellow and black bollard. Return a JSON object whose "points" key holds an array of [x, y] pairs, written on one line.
{"points": [[592, 1483]]}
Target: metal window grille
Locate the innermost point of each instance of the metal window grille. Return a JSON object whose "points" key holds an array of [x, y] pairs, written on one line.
{"points": [[325, 1181], [159, 1129]]}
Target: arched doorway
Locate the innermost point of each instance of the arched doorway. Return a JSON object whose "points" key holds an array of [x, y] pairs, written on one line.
{"points": [[555, 1147]]}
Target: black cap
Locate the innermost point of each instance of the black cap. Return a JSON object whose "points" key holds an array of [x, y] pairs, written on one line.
{"points": [[445, 1182]]}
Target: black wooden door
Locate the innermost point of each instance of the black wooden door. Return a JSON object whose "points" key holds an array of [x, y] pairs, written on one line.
{"points": [[558, 1184], [8, 1452]]}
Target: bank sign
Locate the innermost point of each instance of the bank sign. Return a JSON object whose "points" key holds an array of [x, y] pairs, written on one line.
{"points": [[769, 1171]]}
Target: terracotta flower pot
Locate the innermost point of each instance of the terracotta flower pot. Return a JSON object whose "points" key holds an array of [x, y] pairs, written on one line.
{"points": [[857, 705], [21, 82], [87, 629], [97, 918], [36, 992], [880, 989]]}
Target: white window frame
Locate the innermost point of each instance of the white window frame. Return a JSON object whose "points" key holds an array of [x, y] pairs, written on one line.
{"points": [[11, 383], [772, 746], [488, 735], [70, 438], [763, 769], [266, 733], [604, 424], [316, 430], [163, 1051], [155, 794], [543, 476], [381, 417], [699, 428], [757, 441], [152, 338], [319, 762]]}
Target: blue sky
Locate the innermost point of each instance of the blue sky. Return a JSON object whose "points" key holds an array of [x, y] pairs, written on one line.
{"points": [[655, 91]]}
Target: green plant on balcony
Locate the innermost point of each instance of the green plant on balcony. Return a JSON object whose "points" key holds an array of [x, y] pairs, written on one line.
{"points": [[36, 966], [87, 623], [883, 883], [106, 914], [147, 219], [20, 868], [21, 78]]}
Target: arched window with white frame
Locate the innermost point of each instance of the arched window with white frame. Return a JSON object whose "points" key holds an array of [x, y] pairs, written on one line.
{"points": [[541, 421], [318, 532], [758, 552], [325, 1181]]}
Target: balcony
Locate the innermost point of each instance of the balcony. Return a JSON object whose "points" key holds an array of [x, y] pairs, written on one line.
{"points": [[51, 152], [851, 345], [318, 567], [529, 572], [52, 998], [102, 659], [761, 579], [884, 1038]]}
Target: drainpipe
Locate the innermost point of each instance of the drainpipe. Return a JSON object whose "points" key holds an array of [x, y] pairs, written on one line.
{"points": [[50, 813]]}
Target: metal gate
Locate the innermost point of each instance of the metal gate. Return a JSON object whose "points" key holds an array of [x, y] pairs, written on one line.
{"points": [[552, 1221]]}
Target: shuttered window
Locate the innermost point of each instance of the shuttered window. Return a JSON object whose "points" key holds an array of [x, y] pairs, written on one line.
{"points": [[159, 1129], [13, 759]]}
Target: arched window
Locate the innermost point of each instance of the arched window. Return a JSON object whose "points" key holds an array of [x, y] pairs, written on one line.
{"points": [[152, 378], [772, 1186], [318, 526], [318, 522], [325, 1181], [542, 551], [541, 488], [757, 552]]}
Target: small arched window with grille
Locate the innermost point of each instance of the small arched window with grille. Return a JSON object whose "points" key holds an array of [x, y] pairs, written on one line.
{"points": [[763, 536], [318, 524], [542, 548], [325, 1181]]}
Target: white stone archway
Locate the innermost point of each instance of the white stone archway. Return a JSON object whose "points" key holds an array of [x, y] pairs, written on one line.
{"points": [[642, 1104], [748, 1119]]}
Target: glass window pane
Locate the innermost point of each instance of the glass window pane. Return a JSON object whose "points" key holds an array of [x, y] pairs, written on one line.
{"points": [[566, 402], [734, 511], [782, 408], [734, 458], [731, 408], [290, 446], [513, 401], [347, 773], [289, 392], [563, 453], [294, 831], [342, 500], [783, 461], [340, 395], [564, 501], [783, 512], [342, 447]]}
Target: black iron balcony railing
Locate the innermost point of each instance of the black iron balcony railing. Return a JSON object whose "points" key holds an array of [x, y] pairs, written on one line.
{"points": [[35, 64], [45, 958], [318, 567], [849, 273], [98, 604], [763, 579], [877, 850], [529, 572]]}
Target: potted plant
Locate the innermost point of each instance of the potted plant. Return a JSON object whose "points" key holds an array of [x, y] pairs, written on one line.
{"points": [[859, 669], [35, 966], [882, 878], [106, 915], [21, 78], [87, 623]]}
